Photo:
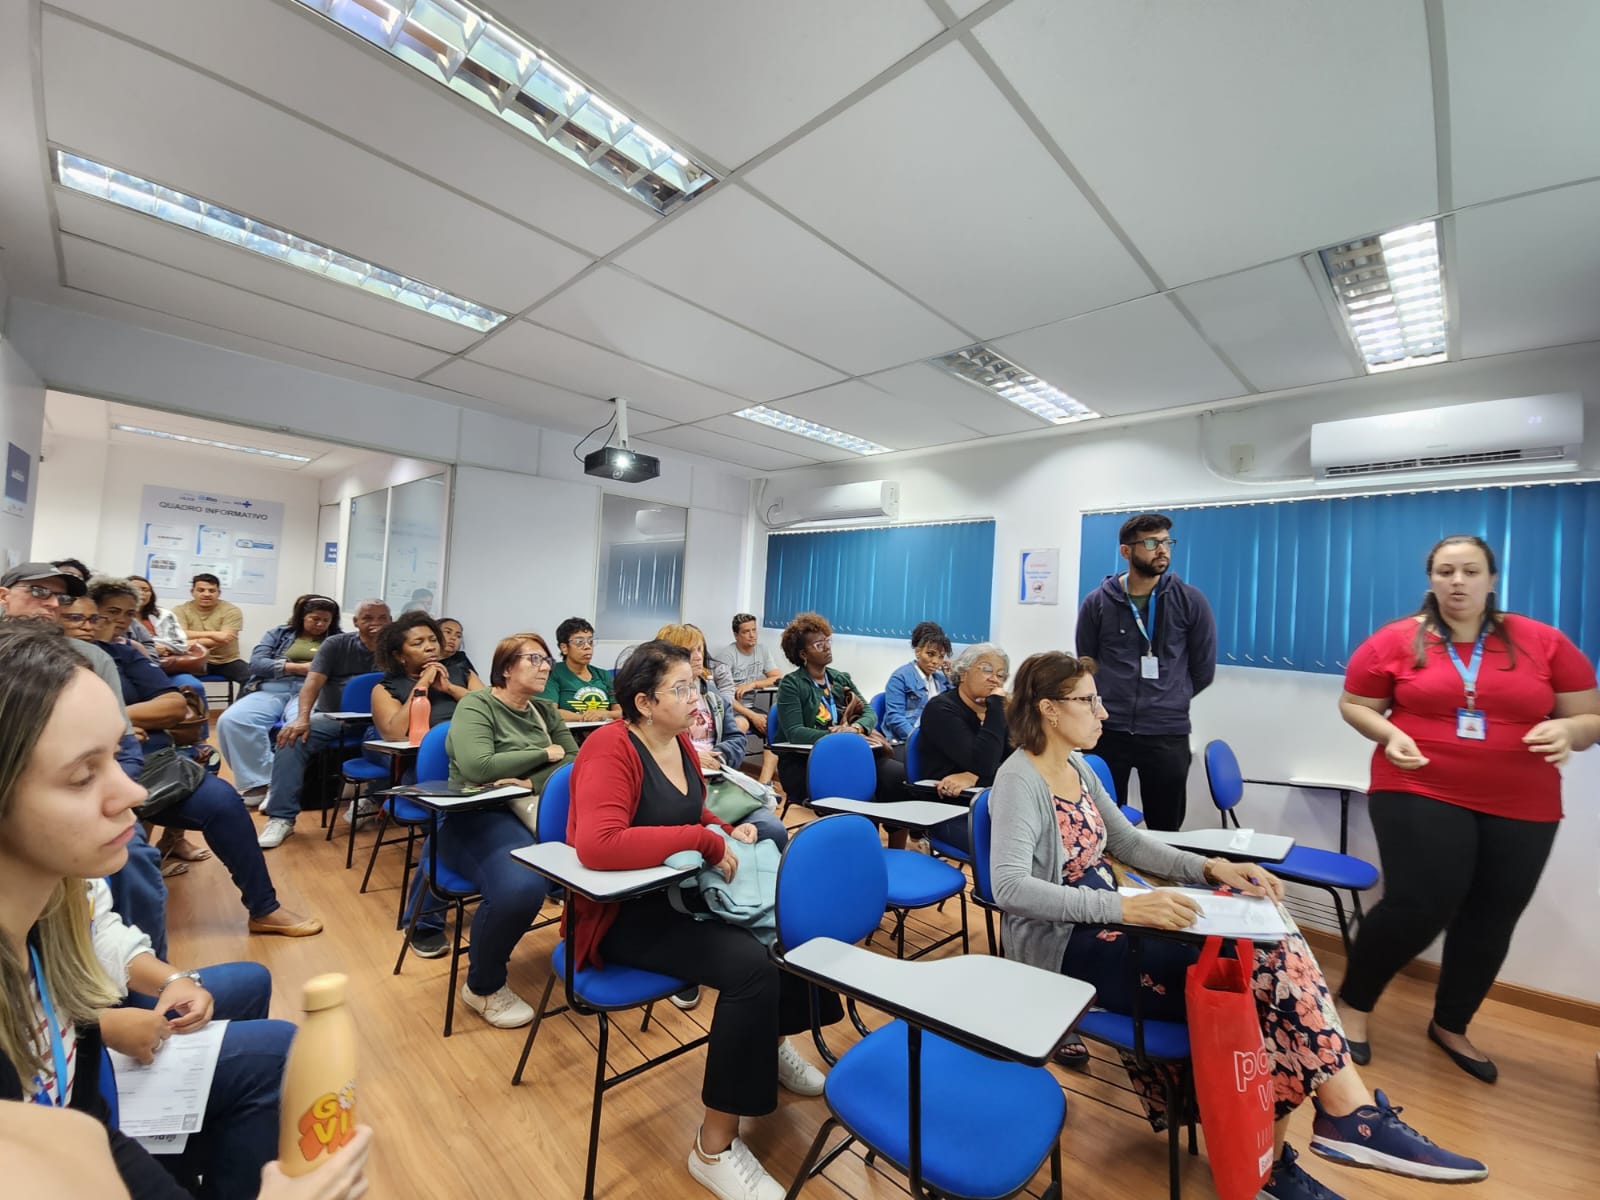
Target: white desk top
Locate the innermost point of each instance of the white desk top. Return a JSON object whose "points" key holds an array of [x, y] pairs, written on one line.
{"points": [[394, 747], [1005, 1007], [1228, 843], [920, 813], [443, 796], [1331, 785], [344, 716], [559, 861], [930, 784], [793, 747]]}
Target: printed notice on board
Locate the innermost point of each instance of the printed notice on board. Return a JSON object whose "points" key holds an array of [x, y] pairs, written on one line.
{"points": [[184, 533], [1041, 576]]}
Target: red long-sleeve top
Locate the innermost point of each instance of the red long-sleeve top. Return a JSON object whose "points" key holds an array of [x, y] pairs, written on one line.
{"points": [[606, 781]]}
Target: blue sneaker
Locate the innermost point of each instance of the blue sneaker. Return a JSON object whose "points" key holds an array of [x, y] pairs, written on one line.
{"points": [[1375, 1136], [1289, 1181]]}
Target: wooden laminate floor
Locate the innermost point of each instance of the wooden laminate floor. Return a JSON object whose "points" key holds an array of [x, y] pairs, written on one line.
{"points": [[450, 1124]]}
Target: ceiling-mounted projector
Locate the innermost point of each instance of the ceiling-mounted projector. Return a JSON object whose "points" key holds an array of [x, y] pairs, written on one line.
{"points": [[615, 461]]}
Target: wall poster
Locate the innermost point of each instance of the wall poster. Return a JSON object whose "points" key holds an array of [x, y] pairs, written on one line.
{"points": [[185, 533], [1041, 576]]}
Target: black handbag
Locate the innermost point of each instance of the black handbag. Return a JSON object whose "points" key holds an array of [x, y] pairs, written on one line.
{"points": [[169, 778]]}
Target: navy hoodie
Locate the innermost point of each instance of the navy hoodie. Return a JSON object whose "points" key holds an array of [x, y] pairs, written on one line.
{"points": [[1185, 645]]}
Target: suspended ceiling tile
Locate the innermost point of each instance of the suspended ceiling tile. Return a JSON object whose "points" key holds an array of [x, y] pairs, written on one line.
{"points": [[723, 448], [933, 391], [191, 132], [101, 221], [727, 79], [1272, 324], [109, 272], [538, 353], [1137, 357], [628, 316], [934, 180], [1528, 271], [858, 408], [764, 435], [551, 407], [1524, 95], [1221, 136], [738, 256], [307, 64]]}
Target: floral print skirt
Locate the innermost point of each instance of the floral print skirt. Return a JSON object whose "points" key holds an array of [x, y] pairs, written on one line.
{"points": [[1302, 1030]]}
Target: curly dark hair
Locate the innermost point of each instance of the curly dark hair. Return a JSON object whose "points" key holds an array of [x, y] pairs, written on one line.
{"points": [[802, 629], [386, 657]]}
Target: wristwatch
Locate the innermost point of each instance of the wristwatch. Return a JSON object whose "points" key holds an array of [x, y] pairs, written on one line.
{"points": [[177, 975]]}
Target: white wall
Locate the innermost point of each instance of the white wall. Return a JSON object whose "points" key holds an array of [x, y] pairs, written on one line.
{"points": [[1281, 724], [89, 498], [22, 425]]}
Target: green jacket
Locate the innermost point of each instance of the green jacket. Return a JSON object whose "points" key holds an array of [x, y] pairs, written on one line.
{"points": [[802, 715], [490, 740]]}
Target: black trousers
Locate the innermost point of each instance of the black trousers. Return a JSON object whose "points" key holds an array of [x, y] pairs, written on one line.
{"points": [[757, 1003], [1452, 870], [238, 670], [1162, 760], [891, 785]]}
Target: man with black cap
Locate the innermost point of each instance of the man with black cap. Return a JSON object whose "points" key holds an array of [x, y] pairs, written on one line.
{"points": [[34, 591]]}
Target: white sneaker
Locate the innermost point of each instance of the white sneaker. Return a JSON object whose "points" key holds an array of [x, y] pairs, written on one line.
{"points": [[359, 810], [735, 1174], [265, 800], [276, 830], [504, 1010], [796, 1074]]}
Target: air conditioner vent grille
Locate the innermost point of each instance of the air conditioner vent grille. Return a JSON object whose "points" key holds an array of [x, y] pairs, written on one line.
{"points": [[1480, 459]]}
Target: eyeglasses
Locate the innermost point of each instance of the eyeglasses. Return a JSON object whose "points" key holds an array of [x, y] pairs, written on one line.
{"points": [[1166, 543], [581, 643], [993, 672], [536, 659], [81, 618], [39, 592], [1093, 702], [683, 691], [822, 644]]}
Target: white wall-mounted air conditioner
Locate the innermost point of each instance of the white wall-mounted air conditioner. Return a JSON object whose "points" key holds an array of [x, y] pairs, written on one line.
{"points": [[876, 498], [1516, 436]]}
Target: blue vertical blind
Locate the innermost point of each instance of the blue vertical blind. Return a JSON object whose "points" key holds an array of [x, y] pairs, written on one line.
{"points": [[1298, 585], [881, 582]]}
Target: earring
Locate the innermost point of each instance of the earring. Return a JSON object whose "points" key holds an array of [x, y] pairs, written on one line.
{"points": [[649, 719]]}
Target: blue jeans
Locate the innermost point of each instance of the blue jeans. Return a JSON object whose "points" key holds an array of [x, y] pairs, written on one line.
{"points": [[139, 894], [244, 728], [768, 827], [217, 811], [478, 846], [240, 1134], [289, 765]]}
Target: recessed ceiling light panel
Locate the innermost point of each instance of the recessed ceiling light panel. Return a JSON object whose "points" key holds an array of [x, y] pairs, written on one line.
{"points": [[987, 368], [200, 441], [801, 427], [1390, 290]]}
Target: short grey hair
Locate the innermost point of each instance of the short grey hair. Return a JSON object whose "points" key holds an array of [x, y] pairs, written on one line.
{"points": [[967, 658]]}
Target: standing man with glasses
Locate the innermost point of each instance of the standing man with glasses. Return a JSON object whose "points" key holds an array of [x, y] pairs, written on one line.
{"points": [[1155, 641], [581, 692]]}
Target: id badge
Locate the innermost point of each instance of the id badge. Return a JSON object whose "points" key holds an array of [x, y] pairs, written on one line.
{"points": [[1470, 724], [1149, 667]]}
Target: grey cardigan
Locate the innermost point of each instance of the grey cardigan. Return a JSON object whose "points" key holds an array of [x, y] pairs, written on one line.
{"points": [[1026, 859]]}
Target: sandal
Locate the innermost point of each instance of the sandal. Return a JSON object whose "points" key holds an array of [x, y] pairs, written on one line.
{"points": [[171, 867], [1073, 1054], [174, 844]]}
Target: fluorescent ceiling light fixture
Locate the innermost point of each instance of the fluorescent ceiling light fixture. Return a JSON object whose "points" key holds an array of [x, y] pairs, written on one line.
{"points": [[1391, 293], [461, 47], [200, 441], [201, 216], [995, 373], [800, 427]]}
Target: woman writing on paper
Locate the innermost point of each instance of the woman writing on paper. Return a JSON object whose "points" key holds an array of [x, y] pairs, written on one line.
{"points": [[1054, 825], [1473, 710]]}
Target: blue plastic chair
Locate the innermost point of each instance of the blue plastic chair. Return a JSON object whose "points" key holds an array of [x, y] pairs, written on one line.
{"points": [[1102, 770], [594, 991], [960, 1123], [230, 687], [1327, 870], [1149, 1041], [841, 766], [433, 762], [876, 705], [365, 772]]}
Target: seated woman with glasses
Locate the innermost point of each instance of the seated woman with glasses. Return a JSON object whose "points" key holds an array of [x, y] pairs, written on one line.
{"points": [[500, 735], [815, 700], [916, 683], [1054, 832], [964, 737], [637, 799]]}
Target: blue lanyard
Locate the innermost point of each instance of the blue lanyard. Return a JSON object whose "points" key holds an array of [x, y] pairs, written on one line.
{"points": [[58, 1053], [1149, 641], [826, 688], [1469, 671]]}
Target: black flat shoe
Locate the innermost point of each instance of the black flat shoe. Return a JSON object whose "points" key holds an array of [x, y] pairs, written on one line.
{"points": [[1360, 1052], [1479, 1068]]}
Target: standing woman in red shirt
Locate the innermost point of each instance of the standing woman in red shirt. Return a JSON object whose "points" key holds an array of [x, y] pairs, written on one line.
{"points": [[1473, 710]]}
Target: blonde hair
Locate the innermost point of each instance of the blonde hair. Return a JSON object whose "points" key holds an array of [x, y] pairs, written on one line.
{"points": [[688, 636], [40, 663]]}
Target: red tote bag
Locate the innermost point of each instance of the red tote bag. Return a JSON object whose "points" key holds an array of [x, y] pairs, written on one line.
{"points": [[1232, 1070]]}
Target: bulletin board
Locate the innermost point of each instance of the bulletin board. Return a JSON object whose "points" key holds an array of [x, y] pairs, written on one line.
{"points": [[185, 533]]}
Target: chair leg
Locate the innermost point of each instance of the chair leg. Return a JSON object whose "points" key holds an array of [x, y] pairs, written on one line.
{"points": [[648, 1009], [1344, 923], [594, 1114], [405, 876], [810, 1160], [988, 924], [1053, 1192], [372, 859], [966, 946], [350, 846], [1174, 1116], [411, 928], [900, 932], [533, 1030], [455, 967]]}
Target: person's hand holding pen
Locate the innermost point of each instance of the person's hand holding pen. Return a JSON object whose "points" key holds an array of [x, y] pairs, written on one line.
{"points": [[1158, 908]]}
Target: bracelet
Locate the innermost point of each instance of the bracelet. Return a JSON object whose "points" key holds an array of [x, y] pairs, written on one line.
{"points": [[177, 975], [1205, 869]]}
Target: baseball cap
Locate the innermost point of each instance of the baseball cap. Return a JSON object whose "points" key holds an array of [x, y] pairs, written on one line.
{"points": [[33, 572]]}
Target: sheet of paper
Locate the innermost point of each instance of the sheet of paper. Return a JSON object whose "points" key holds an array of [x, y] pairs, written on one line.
{"points": [[165, 1143], [1253, 917], [168, 1096]]}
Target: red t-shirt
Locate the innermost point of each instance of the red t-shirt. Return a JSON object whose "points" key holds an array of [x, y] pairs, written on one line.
{"points": [[1499, 775]]}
